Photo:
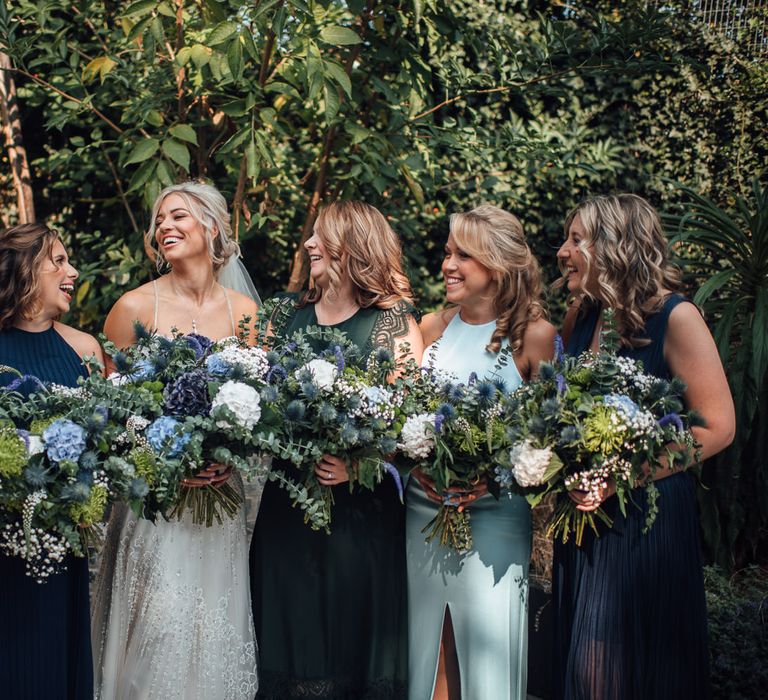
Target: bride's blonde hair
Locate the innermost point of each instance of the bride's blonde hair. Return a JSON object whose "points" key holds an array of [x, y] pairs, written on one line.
{"points": [[495, 239]]}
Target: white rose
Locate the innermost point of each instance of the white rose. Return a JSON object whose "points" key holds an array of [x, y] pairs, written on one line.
{"points": [[417, 437], [243, 400], [529, 463], [323, 373]]}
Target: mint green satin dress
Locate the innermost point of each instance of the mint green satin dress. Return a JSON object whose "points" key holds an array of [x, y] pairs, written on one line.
{"points": [[486, 589]]}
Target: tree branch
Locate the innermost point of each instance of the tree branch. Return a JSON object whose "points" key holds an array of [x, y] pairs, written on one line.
{"points": [[17, 154], [120, 190]]}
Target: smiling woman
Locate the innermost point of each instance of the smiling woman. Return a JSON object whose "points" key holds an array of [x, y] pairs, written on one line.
{"points": [[172, 612], [45, 634]]}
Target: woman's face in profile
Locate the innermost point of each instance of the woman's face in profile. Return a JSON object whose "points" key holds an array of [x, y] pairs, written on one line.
{"points": [[57, 282], [572, 260], [467, 281], [178, 233]]}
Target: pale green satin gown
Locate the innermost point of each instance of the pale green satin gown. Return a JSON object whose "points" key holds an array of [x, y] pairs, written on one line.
{"points": [[485, 589]]}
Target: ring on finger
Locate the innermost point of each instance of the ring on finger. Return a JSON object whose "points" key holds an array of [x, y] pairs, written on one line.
{"points": [[328, 475]]}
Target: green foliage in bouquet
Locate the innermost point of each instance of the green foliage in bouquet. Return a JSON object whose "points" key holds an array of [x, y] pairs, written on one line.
{"points": [[332, 400], [590, 419], [452, 434]]}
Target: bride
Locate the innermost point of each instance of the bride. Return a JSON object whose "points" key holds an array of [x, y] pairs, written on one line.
{"points": [[172, 611]]}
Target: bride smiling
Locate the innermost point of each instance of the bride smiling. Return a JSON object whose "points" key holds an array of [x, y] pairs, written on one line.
{"points": [[172, 611]]}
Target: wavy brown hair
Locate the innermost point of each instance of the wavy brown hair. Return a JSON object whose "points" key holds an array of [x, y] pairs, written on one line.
{"points": [[361, 244], [23, 249], [626, 246], [496, 239]]}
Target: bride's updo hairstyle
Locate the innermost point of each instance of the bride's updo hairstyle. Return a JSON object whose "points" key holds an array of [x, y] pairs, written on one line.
{"points": [[361, 244], [626, 247], [209, 208], [495, 239], [23, 249]]}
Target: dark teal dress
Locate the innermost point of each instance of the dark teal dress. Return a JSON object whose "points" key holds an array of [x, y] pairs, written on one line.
{"points": [[330, 610], [45, 638], [630, 611]]}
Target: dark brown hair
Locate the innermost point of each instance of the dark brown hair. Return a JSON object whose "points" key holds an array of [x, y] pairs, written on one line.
{"points": [[22, 250]]}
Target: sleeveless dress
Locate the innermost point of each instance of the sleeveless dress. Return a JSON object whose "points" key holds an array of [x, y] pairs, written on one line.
{"points": [[44, 628], [172, 608], [486, 589], [630, 611], [330, 610]]}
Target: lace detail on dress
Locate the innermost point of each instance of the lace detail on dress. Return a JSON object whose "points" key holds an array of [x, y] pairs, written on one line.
{"points": [[276, 686], [172, 611], [391, 324]]}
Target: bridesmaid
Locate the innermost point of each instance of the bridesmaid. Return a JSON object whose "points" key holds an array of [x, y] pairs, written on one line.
{"points": [[467, 614], [630, 615], [330, 609], [45, 631]]}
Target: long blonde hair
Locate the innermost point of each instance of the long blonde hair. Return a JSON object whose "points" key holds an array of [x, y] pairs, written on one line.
{"points": [[626, 246], [361, 244], [209, 208], [495, 239]]}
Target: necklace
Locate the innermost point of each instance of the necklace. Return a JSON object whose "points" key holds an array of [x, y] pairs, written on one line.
{"points": [[208, 295]]}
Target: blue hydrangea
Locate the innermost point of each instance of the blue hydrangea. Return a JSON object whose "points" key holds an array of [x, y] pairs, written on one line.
{"points": [[623, 403], [163, 436], [217, 366], [64, 440], [188, 395]]}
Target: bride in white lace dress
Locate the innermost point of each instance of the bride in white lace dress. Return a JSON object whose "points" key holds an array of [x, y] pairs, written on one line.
{"points": [[172, 610]]}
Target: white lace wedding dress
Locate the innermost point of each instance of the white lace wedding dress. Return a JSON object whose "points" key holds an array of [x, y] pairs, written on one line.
{"points": [[172, 611]]}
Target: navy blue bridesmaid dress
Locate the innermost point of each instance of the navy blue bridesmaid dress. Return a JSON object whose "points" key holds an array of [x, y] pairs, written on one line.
{"points": [[45, 640], [630, 611]]}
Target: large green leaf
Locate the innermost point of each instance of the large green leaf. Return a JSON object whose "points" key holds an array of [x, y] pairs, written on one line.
{"points": [[177, 152], [143, 150], [183, 132], [339, 36]]}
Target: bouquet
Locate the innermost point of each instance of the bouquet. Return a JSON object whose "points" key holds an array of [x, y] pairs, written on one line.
{"points": [[589, 419], [452, 434], [57, 473], [330, 404], [197, 405]]}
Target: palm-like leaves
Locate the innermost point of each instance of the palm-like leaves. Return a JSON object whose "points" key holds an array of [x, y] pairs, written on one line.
{"points": [[725, 253]]}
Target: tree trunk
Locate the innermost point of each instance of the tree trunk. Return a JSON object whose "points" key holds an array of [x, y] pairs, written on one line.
{"points": [[17, 154]]}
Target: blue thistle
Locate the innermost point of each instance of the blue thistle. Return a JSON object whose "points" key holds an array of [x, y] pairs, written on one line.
{"points": [[447, 411], [36, 476], [569, 435], [85, 477], [188, 395], [309, 390], [77, 492], [295, 410], [143, 370], [387, 445], [500, 384], [327, 413], [546, 371], [486, 392], [549, 408], [273, 357], [349, 434], [89, 460], [269, 394], [96, 422], [392, 471], [365, 436], [141, 331], [120, 360]]}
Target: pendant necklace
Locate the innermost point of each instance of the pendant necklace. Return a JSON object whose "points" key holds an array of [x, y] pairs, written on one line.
{"points": [[207, 296]]}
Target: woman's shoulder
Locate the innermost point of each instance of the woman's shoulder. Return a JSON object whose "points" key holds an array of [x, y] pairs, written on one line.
{"points": [[433, 325], [84, 344], [540, 333], [242, 304], [138, 300]]}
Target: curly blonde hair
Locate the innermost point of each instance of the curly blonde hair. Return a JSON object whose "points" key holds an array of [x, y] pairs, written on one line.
{"points": [[626, 246], [209, 208], [361, 244], [23, 249], [495, 239]]}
